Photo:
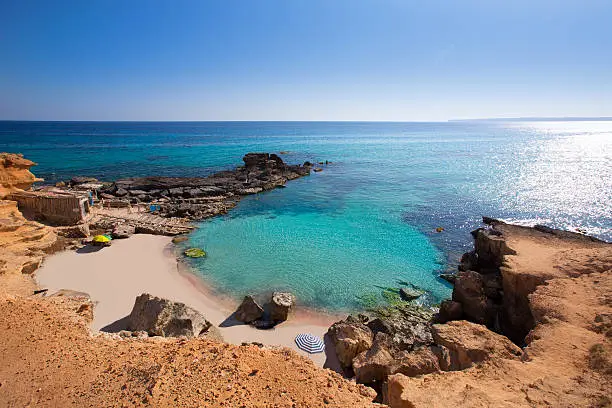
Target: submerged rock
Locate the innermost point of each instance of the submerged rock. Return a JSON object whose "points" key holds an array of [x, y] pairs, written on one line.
{"points": [[195, 253], [281, 305], [249, 310], [409, 294], [178, 240], [163, 317], [449, 277]]}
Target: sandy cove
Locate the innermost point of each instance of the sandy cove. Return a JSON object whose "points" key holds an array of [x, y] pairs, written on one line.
{"points": [[116, 275]]}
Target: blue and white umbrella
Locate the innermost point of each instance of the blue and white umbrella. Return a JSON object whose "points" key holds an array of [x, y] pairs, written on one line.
{"points": [[309, 343]]}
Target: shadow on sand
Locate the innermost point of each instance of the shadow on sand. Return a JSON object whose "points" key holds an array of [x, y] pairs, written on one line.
{"points": [[88, 249], [116, 326], [231, 321]]}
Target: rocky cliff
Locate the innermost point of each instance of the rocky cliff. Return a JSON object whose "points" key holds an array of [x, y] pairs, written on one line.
{"points": [[15, 174], [552, 286], [23, 245]]}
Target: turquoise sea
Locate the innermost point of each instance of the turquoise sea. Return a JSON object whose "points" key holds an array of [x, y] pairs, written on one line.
{"points": [[367, 222]]}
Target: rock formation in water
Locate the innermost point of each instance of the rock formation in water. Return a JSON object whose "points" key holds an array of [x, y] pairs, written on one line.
{"points": [[203, 197]]}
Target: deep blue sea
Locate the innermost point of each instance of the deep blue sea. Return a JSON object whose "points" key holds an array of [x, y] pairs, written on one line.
{"points": [[367, 222]]}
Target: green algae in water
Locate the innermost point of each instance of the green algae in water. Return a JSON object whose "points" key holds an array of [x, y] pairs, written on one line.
{"points": [[195, 253]]}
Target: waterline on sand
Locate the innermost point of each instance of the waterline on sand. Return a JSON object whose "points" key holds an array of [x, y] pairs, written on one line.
{"points": [[116, 275]]}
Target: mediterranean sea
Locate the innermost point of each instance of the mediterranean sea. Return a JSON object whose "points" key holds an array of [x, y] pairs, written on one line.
{"points": [[340, 238]]}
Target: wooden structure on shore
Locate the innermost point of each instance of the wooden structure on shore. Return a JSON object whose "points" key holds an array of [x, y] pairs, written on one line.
{"points": [[53, 207]]}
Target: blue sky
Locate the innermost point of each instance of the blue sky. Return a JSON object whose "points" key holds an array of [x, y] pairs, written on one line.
{"points": [[304, 59]]}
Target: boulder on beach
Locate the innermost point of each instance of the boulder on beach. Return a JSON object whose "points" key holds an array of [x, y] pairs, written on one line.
{"points": [[163, 317], [249, 310], [122, 231], [179, 239], [281, 305]]}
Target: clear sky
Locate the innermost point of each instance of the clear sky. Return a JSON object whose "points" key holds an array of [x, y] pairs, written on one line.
{"points": [[304, 59]]}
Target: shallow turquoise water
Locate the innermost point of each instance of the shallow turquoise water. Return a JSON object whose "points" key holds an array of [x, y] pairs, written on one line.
{"points": [[333, 251], [367, 221]]}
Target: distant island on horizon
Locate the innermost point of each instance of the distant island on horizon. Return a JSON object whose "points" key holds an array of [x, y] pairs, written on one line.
{"points": [[537, 119]]}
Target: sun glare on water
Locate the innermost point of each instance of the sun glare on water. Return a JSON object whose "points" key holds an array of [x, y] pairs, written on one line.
{"points": [[571, 169]]}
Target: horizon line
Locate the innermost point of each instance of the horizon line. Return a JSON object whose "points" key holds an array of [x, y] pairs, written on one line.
{"points": [[494, 119]]}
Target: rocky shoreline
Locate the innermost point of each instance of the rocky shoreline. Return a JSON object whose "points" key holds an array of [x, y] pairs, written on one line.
{"points": [[204, 197], [529, 323], [497, 317]]}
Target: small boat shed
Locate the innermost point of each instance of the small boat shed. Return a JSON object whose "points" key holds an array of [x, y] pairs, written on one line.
{"points": [[54, 207]]}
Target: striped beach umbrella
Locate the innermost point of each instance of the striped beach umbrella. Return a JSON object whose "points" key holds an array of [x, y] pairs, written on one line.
{"points": [[309, 343]]}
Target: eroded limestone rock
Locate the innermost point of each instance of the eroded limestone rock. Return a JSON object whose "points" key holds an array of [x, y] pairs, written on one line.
{"points": [[122, 231], [281, 306], [163, 317], [468, 343], [350, 338], [249, 310]]}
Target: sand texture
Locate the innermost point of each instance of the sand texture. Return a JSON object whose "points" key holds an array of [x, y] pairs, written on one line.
{"points": [[116, 275]]}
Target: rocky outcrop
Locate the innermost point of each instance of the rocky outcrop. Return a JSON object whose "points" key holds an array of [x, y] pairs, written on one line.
{"points": [[373, 366], [454, 346], [163, 317], [122, 231], [450, 310], [469, 292], [80, 301], [493, 289], [249, 310], [409, 326], [376, 363], [15, 174], [417, 362], [197, 198], [23, 245], [350, 337], [462, 344], [281, 306], [555, 286]]}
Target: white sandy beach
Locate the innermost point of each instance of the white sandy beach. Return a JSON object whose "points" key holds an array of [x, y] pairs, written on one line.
{"points": [[116, 275]]}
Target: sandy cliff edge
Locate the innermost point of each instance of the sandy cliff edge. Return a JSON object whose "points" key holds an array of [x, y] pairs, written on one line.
{"points": [[565, 281]]}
